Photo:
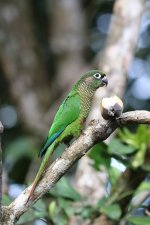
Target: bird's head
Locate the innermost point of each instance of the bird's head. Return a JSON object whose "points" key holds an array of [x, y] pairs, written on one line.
{"points": [[95, 79]]}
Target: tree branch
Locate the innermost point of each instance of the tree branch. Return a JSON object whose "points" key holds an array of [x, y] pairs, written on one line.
{"points": [[94, 133]]}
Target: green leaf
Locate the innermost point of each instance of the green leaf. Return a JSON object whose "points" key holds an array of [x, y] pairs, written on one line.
{"points": [[99, 155], [144, 220], [139, 157], [112, 211], [40, 206], [65, 190], [6, 200], [101, 202], [36, 212], [135, 139], [117, 147], [66, 206], [127, 137], [143, 133], [145, 186], [20, 147], [27, 217], [52, 208], [146, 167], [114, 174], [57, 214], [87, 212], [59, 217]]}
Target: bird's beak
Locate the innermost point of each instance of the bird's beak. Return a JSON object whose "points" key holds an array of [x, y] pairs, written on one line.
{"points": [[104, 81]]}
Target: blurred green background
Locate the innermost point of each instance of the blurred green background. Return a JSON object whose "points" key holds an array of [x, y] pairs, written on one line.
{"points": [[44, 47]]}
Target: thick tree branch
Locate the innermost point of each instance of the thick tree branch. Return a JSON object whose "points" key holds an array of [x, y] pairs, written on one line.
{"points": [[134, 117], [94, 133]]}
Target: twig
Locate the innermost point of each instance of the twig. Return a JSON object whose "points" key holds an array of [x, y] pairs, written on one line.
{"points": [[94, 133]]}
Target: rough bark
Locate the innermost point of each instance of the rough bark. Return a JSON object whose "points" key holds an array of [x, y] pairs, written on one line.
{"points": [[94, 133]]}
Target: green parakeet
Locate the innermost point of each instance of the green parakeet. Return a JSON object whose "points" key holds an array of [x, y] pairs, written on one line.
{"points": [[70, 117]]}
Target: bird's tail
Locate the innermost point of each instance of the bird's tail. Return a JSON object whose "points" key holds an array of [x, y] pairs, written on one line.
{"points": [[42, 168]]}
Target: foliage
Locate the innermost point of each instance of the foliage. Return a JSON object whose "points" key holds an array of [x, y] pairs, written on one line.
{"points": [[37, 67], [143, 220], [63, 202]]}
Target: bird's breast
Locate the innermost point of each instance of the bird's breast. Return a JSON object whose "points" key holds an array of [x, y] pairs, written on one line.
{"points": [[86, 96]]}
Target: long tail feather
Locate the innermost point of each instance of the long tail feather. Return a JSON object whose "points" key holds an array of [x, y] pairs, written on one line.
{"points": [[42, 168]]}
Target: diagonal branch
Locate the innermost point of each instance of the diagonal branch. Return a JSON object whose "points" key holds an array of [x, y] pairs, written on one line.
{"points": [[94, 133]]}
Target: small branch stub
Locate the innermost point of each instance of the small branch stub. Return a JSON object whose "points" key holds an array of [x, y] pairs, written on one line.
{"points": [[111, 107]]}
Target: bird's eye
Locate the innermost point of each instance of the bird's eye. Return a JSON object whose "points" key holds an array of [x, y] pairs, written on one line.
{"points": [[97, 75]]}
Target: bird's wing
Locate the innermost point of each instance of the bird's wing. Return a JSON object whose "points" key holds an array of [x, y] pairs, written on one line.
{"points": [[67, 113]]}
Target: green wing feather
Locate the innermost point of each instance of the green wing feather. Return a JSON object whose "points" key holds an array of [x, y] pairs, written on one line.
{"points": [[67, 113]]}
